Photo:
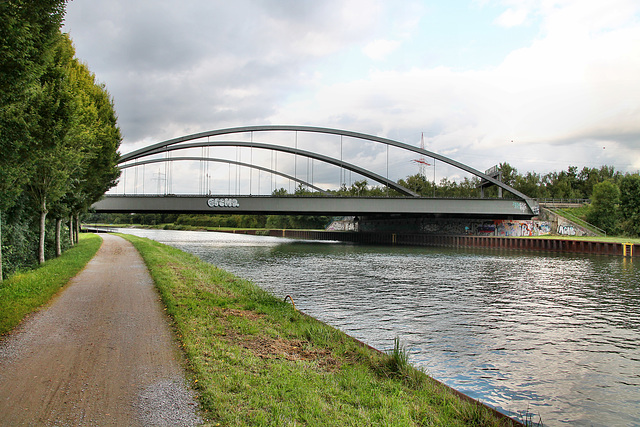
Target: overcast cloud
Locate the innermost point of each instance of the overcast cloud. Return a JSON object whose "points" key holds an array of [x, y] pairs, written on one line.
{"points": [[540, 84]]}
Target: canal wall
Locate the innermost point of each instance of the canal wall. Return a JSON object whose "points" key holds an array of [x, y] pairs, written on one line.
{"points": [[455, 226], [547, 223], [540, 244]]}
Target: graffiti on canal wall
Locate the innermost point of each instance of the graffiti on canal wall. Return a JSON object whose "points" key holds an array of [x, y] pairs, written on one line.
{"points": [[566, 230], [506, 228], [345, 224], [456, 227]]}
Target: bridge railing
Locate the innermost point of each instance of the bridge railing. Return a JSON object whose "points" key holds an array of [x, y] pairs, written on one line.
{"points": [[551, 201]]}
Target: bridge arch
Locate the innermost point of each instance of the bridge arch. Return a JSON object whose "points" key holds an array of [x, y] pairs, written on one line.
{"points": [[327, 159], [216, 160], [178, 143]]}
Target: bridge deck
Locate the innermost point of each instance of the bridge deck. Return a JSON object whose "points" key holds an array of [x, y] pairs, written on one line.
{"points": [[262, 205]]}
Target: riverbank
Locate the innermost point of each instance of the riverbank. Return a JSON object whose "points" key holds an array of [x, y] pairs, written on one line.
{"points": [[255, 360]]}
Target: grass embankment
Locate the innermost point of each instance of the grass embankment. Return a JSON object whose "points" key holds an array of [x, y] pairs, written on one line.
{"points": [[254, 360], [24, 292]]}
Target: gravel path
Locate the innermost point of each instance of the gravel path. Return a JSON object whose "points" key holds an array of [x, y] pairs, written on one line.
{"points": [[102, 353]]}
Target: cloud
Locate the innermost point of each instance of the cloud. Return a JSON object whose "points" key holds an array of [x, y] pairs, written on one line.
{"points": [[380, 49], [575, 87], [512, 18], [180, 68]]}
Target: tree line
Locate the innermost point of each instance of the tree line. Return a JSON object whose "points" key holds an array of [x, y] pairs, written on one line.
{"points": [[614, 197], [58, 134]]}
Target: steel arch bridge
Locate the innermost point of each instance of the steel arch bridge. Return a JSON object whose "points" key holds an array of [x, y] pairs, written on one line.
{"points": [[521, 206]]}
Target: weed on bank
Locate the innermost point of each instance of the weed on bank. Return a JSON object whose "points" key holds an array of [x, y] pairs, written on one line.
{"points": [[254, 360]]}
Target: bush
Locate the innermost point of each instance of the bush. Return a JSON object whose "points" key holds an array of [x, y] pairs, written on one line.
{"points": [[603, 211]]}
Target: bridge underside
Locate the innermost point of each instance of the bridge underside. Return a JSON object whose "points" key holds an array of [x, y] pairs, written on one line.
{"points": [[332, 206]]}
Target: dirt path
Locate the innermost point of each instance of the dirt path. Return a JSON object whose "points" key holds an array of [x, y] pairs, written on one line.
{"points": [[101, 354]]}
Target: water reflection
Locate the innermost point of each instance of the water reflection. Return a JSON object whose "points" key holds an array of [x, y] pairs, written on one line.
{"points": [[557, 335]]}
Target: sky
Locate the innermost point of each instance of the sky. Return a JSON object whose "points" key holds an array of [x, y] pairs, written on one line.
{"points": [[539, 84]]}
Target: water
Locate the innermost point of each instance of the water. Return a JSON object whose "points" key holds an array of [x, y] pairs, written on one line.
{"points": [[553, 335]]}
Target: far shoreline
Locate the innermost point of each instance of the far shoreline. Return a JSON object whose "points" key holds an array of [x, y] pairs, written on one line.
{"points": [[609, 245]]}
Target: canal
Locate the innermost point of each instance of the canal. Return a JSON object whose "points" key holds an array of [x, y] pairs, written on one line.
{"points": [[557, 336]]}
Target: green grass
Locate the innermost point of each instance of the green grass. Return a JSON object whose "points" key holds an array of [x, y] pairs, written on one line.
{"points": [[24, 292], [613, 239], [256, 361], [580, 212]]}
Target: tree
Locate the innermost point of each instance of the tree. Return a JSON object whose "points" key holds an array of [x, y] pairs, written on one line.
{"points": [[57, 160], [630, 204], [564, 185], [446, 188], [359, 188], [603, 211], [418, 184], [95, 134], [27, 31], [529, 184], [509, 173], [468, 187], [76, 127]]}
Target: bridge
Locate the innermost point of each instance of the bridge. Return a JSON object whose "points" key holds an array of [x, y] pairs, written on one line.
{"points": [[316, 200]]}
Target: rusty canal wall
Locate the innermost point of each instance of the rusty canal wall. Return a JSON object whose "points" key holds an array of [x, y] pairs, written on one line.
{"points": [[540, 244]]}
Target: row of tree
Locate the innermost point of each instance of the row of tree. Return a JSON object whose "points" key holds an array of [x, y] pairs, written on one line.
{"points": [[569, 184], [203, 220], [58, 134], [615, 197]]}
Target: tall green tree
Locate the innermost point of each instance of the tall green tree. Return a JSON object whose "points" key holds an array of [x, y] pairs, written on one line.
{"points": [[509, 173], [603, 212], [588, 178], [630, 204], [94, 133], [27, 33], [58, 159]]}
